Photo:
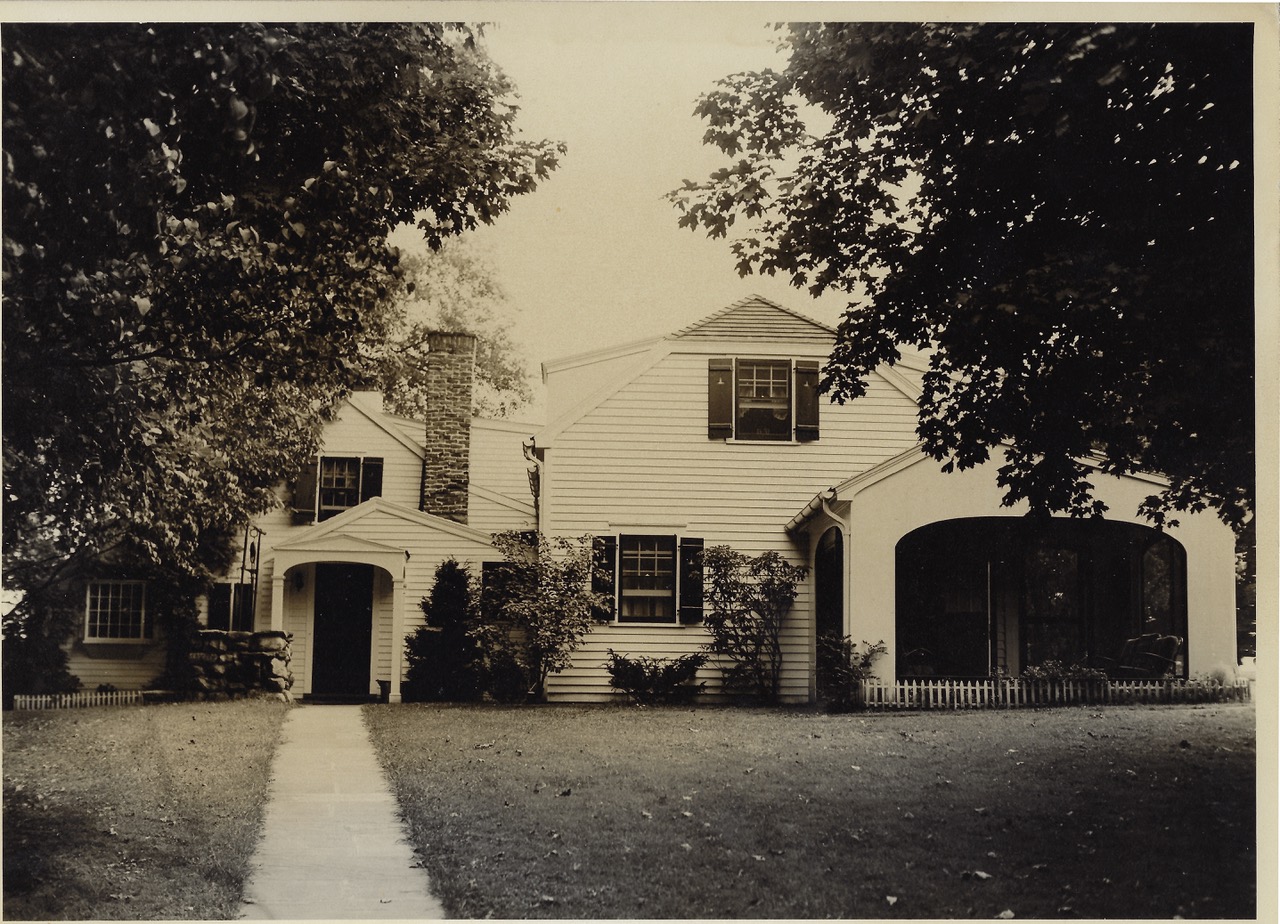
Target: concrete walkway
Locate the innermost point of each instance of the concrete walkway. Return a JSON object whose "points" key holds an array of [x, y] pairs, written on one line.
{"points": [[333, 847]]}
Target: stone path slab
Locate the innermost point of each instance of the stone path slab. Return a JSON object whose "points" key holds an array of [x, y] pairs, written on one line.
{"points": [[333, 847]]}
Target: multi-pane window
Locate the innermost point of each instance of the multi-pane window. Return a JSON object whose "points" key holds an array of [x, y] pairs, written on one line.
{"points": [[333, 484], [116, 611], [764, 400], [339, 484], [647, 590]]}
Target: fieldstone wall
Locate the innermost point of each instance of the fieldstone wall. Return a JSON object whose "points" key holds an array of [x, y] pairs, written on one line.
{"points": [[239, 664]]}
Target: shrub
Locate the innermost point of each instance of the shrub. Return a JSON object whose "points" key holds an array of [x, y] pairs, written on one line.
{"points": [[747, 600], [656, 680], [842, 668], [546, 600], [443, 655], [1056, 671]]}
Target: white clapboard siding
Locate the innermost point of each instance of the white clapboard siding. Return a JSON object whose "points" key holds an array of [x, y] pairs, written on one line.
{"points": [[642, 456], [497, 456], [125, 667]]}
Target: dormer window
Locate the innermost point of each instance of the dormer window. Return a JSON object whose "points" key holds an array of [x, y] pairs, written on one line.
{"points": [[756, 400]]}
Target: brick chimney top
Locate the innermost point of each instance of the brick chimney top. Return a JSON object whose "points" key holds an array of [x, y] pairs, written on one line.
{"points": [[447, 461]]}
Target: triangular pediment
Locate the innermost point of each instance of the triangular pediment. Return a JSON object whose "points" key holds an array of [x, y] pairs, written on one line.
{"points": [[335, 542]]}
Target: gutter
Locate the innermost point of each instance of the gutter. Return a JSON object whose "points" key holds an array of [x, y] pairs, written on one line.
{"points": [[819, 502]]}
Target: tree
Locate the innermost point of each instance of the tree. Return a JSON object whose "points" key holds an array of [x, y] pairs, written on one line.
{"points": [[1060, 214], [747, 600], [196, 253], [546, 600], [453, 290], [442, 655]]}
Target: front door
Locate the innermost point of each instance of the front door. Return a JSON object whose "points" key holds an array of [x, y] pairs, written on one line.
{"points": [[343, 630]]}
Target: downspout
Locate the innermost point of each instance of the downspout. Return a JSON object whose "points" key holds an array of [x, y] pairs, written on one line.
{"points": [[535, 479]]}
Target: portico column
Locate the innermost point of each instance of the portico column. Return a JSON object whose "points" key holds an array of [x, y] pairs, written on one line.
{"points": [[397, 637], [277, 602]]}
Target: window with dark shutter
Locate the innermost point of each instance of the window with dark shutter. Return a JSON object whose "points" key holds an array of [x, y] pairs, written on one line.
{"points": [[690, 581], [764, 399], [720, 399], [806, 400], [604, 554], [647, 579], [231, 607]]}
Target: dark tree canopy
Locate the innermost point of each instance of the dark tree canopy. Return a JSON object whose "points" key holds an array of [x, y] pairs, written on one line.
{"points": [[1061, 215], [195, 255]]}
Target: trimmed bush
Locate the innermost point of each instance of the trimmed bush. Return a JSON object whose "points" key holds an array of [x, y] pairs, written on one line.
{"points": [[656, 680]]}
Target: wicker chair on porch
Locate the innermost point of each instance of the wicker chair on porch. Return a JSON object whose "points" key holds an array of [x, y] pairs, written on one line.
{"points": [[1147, 657]]}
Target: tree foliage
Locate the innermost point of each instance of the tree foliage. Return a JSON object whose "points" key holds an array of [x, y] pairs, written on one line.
{"points": [[196, 252], [442, 655], [747, 601], [1060, 214], [546, 600], [453, 290]]}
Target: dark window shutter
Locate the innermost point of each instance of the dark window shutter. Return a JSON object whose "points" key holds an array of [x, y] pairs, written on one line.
{"points": [[370, 479], [219, 615], [690, 581], [304, 494], [604, 580], [806, 400], [242, 620], [720, 399]]}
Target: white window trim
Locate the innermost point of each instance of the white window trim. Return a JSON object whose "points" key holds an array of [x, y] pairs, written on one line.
{"points": [[791, 399], [320, 457], [650, 532], [142, 639]]}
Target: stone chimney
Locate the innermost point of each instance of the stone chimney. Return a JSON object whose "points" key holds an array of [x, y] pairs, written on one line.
{"points": [[451, 365]]}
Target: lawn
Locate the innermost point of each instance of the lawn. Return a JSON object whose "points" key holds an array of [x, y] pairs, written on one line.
{"points": [[613, 812], [135, 813]]}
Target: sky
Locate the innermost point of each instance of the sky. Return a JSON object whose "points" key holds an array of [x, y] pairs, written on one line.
{"points": [[595, 257]]}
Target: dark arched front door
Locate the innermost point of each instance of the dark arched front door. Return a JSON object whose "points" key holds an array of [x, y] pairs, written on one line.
{"points": [[343, 630]]}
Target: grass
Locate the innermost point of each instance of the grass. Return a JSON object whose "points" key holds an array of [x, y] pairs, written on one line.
{"points": [[619, 812], [136, 813]]}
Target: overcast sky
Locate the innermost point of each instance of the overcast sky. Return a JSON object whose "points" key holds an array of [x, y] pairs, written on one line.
{"points": [[594, 257]]}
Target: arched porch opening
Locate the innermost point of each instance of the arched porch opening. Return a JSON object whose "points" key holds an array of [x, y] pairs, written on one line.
{"points": [[983, 595], [828, 600]]}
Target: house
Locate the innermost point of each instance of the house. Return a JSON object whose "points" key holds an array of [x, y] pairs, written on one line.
{"points": [[344, 562], [658, 448], [715, 435]]}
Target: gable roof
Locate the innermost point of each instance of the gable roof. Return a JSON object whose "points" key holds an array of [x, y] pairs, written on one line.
{"points": [[388, 425], [751, 318], [756, 318]]}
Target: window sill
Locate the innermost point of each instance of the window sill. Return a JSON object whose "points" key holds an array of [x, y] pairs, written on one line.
{"points": [[118, 641], [622, 624], [734, 441]]}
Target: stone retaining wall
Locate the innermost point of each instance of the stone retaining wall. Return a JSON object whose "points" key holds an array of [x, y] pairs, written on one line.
{"points": [[238, 664]]}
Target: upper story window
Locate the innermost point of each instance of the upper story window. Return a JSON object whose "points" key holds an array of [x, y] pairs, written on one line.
{"points": [[334, 484], [116, 611], [762, 399]]}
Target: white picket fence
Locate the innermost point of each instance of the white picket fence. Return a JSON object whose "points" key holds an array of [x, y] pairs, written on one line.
{"points": [[920, 693], [78, 700]]}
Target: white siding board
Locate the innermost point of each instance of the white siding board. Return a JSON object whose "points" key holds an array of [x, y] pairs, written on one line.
{"points": [[642, 456]]}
